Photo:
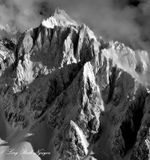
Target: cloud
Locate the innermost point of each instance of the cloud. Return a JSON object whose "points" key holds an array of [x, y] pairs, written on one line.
{"points": [[115, 19], [126, 21], [22, 14]]}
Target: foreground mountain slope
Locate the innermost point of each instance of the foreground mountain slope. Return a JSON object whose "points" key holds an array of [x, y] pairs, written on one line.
{"points": [[80, 96]]}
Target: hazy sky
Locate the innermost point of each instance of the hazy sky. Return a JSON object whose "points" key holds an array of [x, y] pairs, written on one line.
{"points": [[123, 20]]}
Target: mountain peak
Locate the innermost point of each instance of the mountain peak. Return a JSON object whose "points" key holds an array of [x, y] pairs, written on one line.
{"points": [[88, 97], [60, 18]]}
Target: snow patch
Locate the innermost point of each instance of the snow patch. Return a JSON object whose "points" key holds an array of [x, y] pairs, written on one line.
{"points": [[49, 23], [80, 133], [136, 63], [88, 73]]}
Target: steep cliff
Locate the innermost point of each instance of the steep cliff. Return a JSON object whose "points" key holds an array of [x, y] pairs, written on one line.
{"points": [[80, 97]]}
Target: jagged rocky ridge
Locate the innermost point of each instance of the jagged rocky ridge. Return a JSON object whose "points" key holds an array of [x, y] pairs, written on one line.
{"points": [[80, 96]]}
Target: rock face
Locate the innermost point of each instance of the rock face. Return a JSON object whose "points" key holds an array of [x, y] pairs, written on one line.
{"points": [[81, 97]]}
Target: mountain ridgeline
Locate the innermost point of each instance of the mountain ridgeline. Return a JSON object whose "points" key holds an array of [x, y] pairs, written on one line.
{"points": [[82, 98]]}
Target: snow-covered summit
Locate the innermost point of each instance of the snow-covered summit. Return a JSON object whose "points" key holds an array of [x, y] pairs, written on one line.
{"points": [[60, 18]]}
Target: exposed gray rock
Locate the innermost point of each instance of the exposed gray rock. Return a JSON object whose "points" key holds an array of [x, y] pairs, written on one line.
{"points": [[76, 115]]}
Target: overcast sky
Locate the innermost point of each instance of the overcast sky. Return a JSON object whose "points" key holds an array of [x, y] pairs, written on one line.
{"points": [[123, 20]]}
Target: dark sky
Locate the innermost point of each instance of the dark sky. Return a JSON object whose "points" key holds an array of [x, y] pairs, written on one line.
{"points": [[124, 20]]}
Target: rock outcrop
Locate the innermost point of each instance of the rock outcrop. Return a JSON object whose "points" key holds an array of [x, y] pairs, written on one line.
{"points": [[80, 96]]}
